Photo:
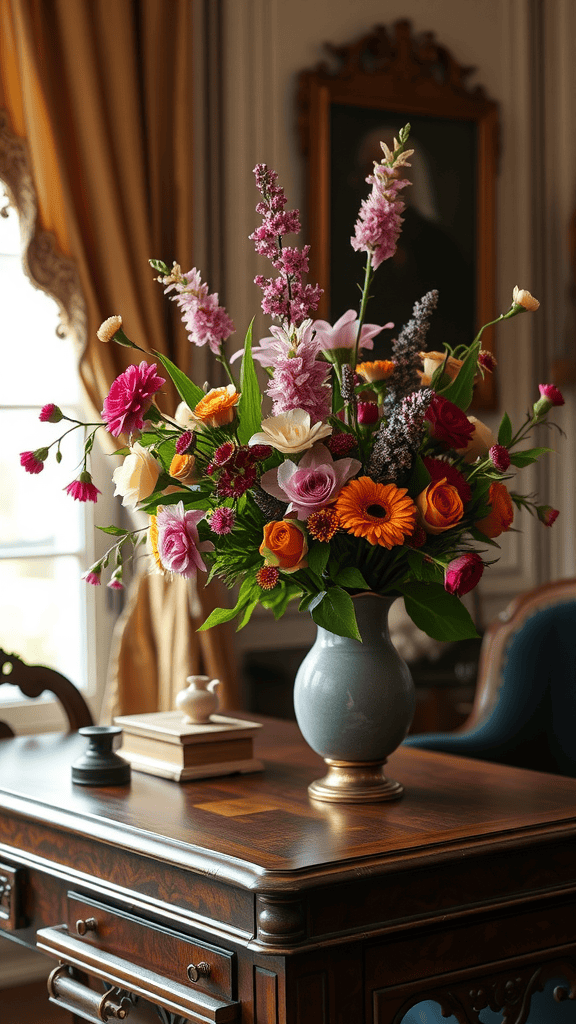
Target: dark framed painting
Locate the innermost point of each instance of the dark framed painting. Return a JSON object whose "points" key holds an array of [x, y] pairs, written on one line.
{"points": [[365, 94]]}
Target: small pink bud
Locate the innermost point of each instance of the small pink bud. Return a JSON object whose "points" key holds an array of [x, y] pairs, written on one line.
{"points": [[552, 393], [547, 514], [463, 573], [500, 457], [367, 413]]}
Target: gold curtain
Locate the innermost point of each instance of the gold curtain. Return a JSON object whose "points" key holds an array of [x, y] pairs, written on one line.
{"points": [[102, 92]]}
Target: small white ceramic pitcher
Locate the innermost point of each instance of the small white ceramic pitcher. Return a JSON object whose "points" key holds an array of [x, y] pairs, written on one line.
{"points": [[199, 700]]}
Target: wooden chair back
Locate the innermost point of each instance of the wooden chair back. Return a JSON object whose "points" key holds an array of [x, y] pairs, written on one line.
{"points": [[34, 680]]}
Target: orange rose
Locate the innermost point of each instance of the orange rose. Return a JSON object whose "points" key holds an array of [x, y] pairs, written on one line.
{"points": [[440, 507], [217, 407], [182, 468], [432, 360], [284, 545], [501, 515]]}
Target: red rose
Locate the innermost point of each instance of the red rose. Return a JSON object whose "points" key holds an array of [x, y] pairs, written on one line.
{"points": [[463, 573], [448, 423]]}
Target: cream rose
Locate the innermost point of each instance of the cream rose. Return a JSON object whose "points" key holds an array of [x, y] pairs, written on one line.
{"points": [[480, 443], [432, 360], [137, 477], [290, 432], [185, 418]]}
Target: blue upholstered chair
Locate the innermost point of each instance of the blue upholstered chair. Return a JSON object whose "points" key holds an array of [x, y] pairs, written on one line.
{"points": [[524, 711], [524, 714]]}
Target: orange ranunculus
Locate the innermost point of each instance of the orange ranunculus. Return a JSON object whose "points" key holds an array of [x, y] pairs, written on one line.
{"points": [[284, 545], [217, 407], [501, 515], [440, 506]]}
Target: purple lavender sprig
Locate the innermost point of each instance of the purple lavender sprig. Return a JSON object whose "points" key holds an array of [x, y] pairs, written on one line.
{"points": [[405, 349], [397, 442]]}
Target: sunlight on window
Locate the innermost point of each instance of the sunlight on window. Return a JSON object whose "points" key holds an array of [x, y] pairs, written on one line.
{"points": [[42, 531]]}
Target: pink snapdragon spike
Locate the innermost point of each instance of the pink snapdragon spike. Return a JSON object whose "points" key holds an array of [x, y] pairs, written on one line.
{"points": [[33, 462], [93, 576], [547, 515], [463, 573], [344, 333], [286, 296], [50, 413], [500, 457], [206, 321], [380, 218], [130, 397], [83, 489], [179, 545], [300, 380], [312, 483]]}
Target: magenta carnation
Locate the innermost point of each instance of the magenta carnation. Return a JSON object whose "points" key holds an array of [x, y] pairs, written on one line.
{"points": [[463, 573], [50, 413], [179, 545], [185, 443], [130, 397], [33, 462], [551, 393], [93, 576], [367, 413], [83, 489]]}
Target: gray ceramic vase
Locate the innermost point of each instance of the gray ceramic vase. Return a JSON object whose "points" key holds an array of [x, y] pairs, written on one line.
{"points": [[354, 703]]}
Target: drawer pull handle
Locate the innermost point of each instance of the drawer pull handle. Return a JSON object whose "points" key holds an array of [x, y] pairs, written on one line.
{"points": [[197, 971], [88, 925], [65, 991]]}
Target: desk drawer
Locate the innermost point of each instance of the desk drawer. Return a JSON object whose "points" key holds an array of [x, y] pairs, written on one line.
{"points": [[200, 966]]}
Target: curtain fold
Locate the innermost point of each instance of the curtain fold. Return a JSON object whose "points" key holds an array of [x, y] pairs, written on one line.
{"points": [[102, 92]]}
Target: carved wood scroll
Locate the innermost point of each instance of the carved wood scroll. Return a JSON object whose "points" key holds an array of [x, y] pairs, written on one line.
{"points": [[388, 77]]}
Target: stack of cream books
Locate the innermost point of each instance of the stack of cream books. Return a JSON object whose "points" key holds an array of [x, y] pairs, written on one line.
{"points": [[163, 743]]}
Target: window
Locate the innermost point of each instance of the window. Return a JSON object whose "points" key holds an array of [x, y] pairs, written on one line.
{"points": [[45, 536]]}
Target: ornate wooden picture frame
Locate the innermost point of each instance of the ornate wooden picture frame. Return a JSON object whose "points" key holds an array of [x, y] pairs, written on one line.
{"points": [[366, 93]]}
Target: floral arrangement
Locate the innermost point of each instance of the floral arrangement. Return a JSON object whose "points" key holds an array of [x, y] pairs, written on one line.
{"points": [[365, 475]]}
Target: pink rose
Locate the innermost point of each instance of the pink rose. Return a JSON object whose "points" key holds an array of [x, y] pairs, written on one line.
{"points": [[130, 397], [312, 483], [463, 573], [448, 423], [178, 541]]}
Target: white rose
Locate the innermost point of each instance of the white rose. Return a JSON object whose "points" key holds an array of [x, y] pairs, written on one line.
{"points": [[480, 443], [136, 478], [290, 432]]}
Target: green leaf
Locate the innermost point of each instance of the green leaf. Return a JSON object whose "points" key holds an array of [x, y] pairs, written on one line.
{"points": [[188, 391], [217, 617], [115, 531], [527, 457], [351, 578], [318, 555], [247, 614], [419, 479], [505, 431], [482, 538], [439, 614], [250, 403], [461, 389], [335, 612]]}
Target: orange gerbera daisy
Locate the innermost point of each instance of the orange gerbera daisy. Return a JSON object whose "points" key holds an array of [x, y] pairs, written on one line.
{"points": [[378, 369], [382, 513]]}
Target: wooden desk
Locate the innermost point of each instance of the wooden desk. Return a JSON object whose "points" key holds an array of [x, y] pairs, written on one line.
{"points": [[465, 890]]}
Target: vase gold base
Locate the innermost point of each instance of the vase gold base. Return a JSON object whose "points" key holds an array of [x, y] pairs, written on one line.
{"points": [[355, 782]]}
